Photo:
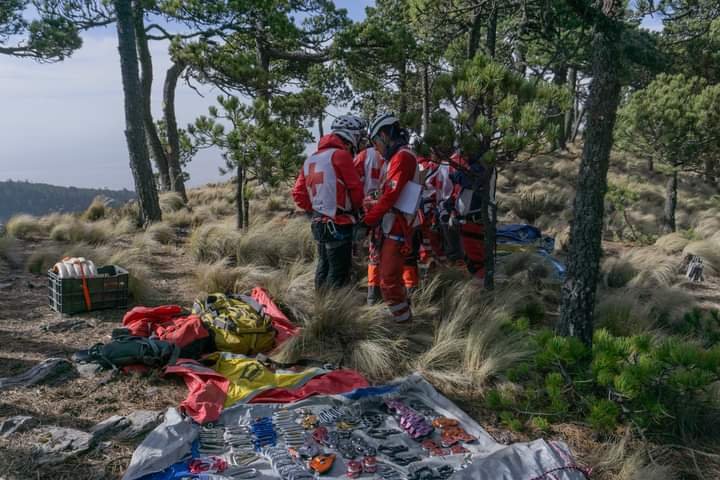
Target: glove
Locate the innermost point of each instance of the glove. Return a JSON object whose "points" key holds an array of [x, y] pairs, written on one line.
{"points": [[452, 222]]}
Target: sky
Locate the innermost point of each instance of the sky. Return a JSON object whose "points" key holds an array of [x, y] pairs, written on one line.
{"points": [[63, 123]]}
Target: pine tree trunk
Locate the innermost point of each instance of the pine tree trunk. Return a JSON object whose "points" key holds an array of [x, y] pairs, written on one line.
{"points": [[491, 39], [240, 197], [402, 89], [570, 113], [489, 218], [246, 203], [710, 171], [560, 79], [134, 128], [650, 164], [146, 80], [474, 36], [425, 98], [173, 149], [670, 202], [321, 129], [578, 290]]}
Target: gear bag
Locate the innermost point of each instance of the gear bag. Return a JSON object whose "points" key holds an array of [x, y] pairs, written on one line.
{"points": [[128, 350], [237, 323]]}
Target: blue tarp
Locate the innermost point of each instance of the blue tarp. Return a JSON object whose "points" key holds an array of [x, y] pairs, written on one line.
{"points": [[524, 235]]}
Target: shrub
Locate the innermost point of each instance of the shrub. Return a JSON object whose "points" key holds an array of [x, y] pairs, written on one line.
{"points": [[25, 227], [97, 210], [212, 242], [124, 226], [663, 385], [8, 251], [617, 272]]}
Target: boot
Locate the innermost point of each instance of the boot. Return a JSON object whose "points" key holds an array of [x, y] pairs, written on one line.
{"points": [[374, 296]]}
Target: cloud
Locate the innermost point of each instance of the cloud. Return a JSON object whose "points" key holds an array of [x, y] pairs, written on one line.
{"points": [[63, 123]]}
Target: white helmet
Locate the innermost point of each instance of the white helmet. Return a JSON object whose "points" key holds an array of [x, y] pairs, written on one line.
{"points": [[415, 140], [382, 120], [348, 127]]}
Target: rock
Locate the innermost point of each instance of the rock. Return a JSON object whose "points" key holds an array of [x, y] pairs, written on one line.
{"points": [[109, 427], [141, 422], [126, 427], [49, 369], [16, 424], [67, 325], [57, 444]]}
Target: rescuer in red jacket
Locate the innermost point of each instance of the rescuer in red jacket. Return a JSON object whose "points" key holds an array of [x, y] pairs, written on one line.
{"points": [[329, 188], [395, 211], [370, 166]]}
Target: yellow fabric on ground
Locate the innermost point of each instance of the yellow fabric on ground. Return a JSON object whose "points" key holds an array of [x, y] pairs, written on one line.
{"points": [[248, 376]]}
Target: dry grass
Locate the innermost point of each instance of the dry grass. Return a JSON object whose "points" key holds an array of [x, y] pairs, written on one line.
{"points": [[212, 242], [624, 313], [161, 233], [171, 202], [617, 272], [125, 226], [276, 243], [179, 219], [221, 277], [471, 345], [340, 329], [97, 210], [42, 259], [137, 260], [622, 459], [8, 250], [75, 230], [25, 227], [653, 266], [672, 243]]}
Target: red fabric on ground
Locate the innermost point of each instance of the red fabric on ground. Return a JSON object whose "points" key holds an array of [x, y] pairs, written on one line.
{"points": [[332, 383], [207, 390], [284, 327], [165, 323]]}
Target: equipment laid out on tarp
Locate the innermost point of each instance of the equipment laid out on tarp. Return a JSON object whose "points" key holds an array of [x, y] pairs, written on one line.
{"points": [[405, 431]]}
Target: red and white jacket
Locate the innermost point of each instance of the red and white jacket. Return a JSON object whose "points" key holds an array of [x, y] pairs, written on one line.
{"points": [[402, 169], [328, 183], [369, 165], [438, 185]]}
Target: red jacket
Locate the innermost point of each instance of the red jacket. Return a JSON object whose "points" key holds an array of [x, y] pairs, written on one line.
{"points": [[401, 170], [348, 182]]}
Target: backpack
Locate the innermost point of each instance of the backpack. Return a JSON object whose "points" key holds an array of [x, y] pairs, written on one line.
{"points": [[124, 350], [237, 323]]}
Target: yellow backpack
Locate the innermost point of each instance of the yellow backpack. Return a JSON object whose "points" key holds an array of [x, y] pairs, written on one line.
{"points": [[237, 322]]}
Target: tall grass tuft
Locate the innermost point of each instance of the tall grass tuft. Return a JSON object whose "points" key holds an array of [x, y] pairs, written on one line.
{"points": [[161, 232], [212, 242], [97, 210], [75, 230], [276, 243], [25, 227], [472, 344], [171, 202], [340, 329]]}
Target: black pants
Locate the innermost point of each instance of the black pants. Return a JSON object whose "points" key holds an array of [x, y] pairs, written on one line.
{"points": [[334, 256]]}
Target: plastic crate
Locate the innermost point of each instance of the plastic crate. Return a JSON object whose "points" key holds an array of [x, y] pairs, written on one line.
{"points": [[107, 290]]}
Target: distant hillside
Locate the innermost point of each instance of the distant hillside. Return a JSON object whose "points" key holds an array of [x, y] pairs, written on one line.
{"points": [[41, 198]]}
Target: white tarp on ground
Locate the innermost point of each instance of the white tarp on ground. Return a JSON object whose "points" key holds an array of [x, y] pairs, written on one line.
{"points": [[171, 441]]}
